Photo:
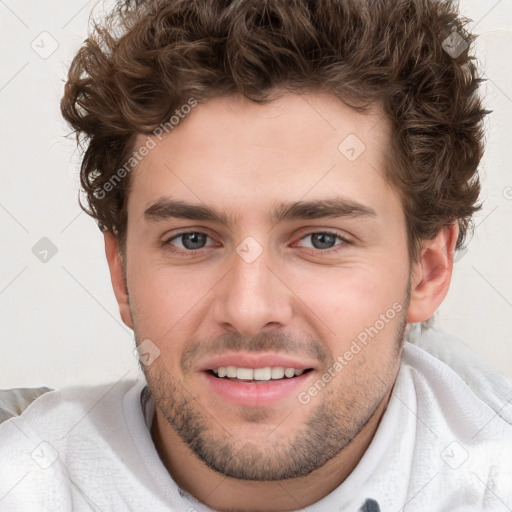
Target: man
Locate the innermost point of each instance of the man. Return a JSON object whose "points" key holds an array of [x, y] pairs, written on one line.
{"points": [[282, 186]]}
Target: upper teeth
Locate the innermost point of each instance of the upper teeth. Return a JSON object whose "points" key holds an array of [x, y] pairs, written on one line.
{"points": [[267, 373]]}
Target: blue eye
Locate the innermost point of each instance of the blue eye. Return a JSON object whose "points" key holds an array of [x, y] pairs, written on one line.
{"points": [[324, 240], [191, 240]]}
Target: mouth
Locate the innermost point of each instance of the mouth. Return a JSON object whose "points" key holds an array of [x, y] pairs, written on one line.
{"points": [[261, 380], [255, 375]]}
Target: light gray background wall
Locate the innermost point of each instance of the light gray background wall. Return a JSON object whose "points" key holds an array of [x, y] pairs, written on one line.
{"points": [[59, 323]]}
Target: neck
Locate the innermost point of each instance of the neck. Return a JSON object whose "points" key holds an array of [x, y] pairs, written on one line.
{"points": [[223, 493]]}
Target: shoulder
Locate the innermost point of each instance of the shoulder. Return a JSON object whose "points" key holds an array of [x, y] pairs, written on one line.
{"points": [[462, 423], [444, 359], [14, 401], [78, 433], [44, 408]]}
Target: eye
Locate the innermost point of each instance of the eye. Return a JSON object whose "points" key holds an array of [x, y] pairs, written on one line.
{"points": [[324, 240], [190, 241], [193, 241]]}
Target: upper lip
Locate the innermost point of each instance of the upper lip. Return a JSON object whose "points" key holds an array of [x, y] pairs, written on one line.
{"points": [[251, 360]]}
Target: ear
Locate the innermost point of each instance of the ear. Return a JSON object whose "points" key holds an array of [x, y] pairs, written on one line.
{"points": [[431, 275], [117, 277]]}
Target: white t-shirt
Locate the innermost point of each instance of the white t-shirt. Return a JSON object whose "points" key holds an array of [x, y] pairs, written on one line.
{"points": [[440, 447]]}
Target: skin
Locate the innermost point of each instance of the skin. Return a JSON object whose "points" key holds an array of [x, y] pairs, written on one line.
{"points": [[296, 299]]}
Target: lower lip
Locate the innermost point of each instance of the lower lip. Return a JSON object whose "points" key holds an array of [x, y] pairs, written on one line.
{"points": [[256, 394]]}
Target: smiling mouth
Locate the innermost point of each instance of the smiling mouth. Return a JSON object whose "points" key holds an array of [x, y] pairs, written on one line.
{"points": [[265, 374]]}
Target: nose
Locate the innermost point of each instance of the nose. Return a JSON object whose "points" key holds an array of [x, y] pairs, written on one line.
{"points": [[252, 297]]}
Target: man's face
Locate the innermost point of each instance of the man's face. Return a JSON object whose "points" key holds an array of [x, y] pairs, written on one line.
{"points": [[257, 292]]}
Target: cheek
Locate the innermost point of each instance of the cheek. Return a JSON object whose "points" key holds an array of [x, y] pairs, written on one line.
{"points": [[163, 298], [351, 299]]}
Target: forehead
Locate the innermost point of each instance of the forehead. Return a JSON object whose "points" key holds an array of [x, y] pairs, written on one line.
{"points": [[243, 155]]}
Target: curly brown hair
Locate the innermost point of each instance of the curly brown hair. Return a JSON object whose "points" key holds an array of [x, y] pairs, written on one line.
{"points": [[147, 59]]}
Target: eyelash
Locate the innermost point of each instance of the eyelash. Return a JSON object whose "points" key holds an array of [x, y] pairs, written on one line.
{"points": [[167, 243]]}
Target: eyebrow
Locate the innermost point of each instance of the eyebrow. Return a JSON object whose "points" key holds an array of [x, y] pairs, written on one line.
{"points": [[336, 207]]}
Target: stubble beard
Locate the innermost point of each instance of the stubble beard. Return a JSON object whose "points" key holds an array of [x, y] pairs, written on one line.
{"points": [[333, 423]]}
